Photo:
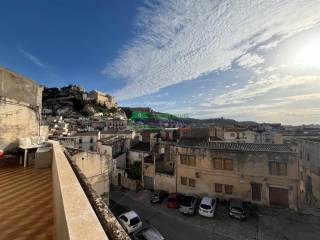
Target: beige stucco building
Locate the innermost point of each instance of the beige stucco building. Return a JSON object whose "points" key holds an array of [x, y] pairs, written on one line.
{"points": [[20, 108], [309, 159], [261, 173], [96, 168]]}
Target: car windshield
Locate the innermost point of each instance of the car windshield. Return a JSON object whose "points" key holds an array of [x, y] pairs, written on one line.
{"points": [[134, 221], [205, 206], [186, 201]]}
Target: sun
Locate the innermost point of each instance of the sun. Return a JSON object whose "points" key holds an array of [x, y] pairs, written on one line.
{"points": [[309, 55]]}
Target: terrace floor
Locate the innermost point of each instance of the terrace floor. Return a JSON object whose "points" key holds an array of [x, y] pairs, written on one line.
{"points": [[26, 203]]}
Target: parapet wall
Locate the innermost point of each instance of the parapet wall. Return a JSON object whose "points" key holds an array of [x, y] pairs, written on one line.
{"points": [[20, 105]]}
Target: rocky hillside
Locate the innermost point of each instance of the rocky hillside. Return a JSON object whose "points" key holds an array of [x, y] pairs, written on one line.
{"points": [[73, 101]]}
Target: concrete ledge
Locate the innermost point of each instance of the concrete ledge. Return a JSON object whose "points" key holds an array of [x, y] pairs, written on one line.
{"points": [[74, 216], [109, 222]]}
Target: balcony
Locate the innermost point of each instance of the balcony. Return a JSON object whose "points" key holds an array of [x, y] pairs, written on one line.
{"points": [[26, 206], [53, 203]]}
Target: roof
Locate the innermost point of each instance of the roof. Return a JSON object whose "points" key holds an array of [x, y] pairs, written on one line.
{"points": [[130, 214], [235, 129], [206, 200], [87, 133], [116, 131], [232, 146], [111, 140], [141, 146]]}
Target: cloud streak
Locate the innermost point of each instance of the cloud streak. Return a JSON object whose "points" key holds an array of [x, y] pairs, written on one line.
{"points": [[32, 58], [185, 39], [262, 87]]}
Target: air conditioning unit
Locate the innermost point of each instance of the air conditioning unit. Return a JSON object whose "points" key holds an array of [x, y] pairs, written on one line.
{"points": [[197, 174]]}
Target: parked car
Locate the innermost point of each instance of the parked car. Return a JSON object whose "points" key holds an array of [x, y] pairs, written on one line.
{"points": [[207, 207], [237, 209], [173, 200], [188, 205], [147, 233], [130, 221], [158, 197]]}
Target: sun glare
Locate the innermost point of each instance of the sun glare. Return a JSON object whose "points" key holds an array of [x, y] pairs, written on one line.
{"points": [[310, 55]]}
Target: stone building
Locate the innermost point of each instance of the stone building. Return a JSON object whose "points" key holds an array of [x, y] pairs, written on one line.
{"points": [[261, 173], [309, 159], [96, 168], [87, 141], [102, 98], [20, 108]]}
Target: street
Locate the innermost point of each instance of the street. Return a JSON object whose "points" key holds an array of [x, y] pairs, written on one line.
{"points": [[175, 226], [274, 223]]}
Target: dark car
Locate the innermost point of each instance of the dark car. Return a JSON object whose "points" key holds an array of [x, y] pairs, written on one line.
{"points": [[188, 205], [173, 200], [238, 209], [148, 233], [158, 197]]}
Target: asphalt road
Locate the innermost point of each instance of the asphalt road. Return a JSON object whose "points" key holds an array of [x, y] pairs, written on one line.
{"points": [[171, 226]]}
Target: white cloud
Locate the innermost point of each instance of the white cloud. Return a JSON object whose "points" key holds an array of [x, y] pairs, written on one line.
{"points": [[185, 39], [301, 97], [32, 58], [250, 60], [259, 88]]}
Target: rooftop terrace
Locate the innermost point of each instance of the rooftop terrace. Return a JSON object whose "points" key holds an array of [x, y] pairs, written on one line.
{"points": [[26, 203], [56, 202]]}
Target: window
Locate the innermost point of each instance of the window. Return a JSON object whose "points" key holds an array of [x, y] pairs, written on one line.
{"points": [[223, 164], [228, 189], [228, 164], [308, 157], [91, 148], [188, 160], [184, 180], [192, 161], [184, 159], [218, 164], [276, 168], [80, 140], [218, 188], [232, 134], [192, 182], [91, 140], [124, 218]]}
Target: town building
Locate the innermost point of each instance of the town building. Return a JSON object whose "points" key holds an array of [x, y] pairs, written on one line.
{"points": [[309, 159], [265, 174], [96, 168], [87, 140]]}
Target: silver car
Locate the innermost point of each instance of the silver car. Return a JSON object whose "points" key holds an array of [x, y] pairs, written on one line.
{"points": [[188, 205], [148, 233]]}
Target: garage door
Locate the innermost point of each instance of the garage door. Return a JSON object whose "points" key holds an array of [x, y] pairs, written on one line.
{"points": [[278, 197], [148, 182]]}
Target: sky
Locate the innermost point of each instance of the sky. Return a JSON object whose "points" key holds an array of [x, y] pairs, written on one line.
{"points": [[246, 60]]}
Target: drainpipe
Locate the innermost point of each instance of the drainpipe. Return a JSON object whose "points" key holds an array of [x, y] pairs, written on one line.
{"points": [[176, 172]]}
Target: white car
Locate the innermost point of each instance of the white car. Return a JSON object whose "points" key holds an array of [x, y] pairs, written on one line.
{"points": [[208, 207], [130, 221]]}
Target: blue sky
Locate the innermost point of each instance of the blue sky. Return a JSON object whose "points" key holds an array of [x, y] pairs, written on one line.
{"points": [[248, 60]]}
